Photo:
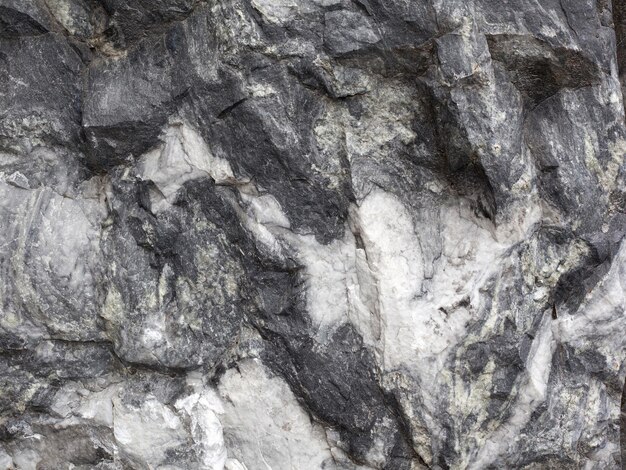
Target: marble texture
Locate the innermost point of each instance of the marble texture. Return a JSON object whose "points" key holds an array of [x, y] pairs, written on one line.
{"points": [[301, 235]]}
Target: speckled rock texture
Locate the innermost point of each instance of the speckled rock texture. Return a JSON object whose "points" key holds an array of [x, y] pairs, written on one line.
{"points": [[312, 234]]}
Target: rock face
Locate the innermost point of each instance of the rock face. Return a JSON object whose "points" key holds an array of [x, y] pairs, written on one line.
{"points": [[323, 234]]}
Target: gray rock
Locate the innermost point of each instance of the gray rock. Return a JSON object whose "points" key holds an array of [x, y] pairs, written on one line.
{"points": [[325, 235]]}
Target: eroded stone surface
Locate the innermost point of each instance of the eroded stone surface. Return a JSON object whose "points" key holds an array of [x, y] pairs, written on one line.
{"points": [[312, 235]]}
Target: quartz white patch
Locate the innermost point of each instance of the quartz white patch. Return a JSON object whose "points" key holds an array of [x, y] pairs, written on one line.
{"points": [[394, 255], [75, 403], [252, 418], [202, 409], [329, 273], [266, 210], [278, 12], [183, 156], [147, 431], [265, 426]]}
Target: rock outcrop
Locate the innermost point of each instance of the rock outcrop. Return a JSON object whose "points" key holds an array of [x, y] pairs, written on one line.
{"points": [[324, 234]]}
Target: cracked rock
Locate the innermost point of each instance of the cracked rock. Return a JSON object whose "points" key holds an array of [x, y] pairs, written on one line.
{"points": [[327, 235]]}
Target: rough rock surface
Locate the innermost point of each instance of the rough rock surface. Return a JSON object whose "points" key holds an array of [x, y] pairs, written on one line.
{"points": [[312, 234]]}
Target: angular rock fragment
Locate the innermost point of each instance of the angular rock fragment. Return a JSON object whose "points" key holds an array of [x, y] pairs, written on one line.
{"points": [[316, 235]]}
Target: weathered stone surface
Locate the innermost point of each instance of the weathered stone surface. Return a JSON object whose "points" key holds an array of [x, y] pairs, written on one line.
{"points": [[312, 235]]}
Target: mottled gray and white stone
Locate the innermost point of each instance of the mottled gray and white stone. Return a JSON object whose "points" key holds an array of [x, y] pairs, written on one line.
{"points": [[327, 234]]}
